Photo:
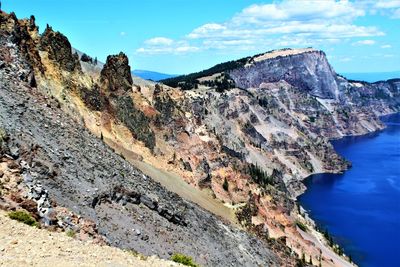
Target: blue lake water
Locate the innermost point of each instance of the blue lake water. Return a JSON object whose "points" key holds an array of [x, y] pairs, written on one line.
{"points": [[361, 208]]}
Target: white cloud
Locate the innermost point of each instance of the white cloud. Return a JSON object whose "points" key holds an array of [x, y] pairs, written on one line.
{"points": [[122, 33], [159, 41], [388, 55], [386, 46], [285, 23], [345, 59], [386, 4], [364, 42], [184, 49], [390, 8], [396, 14], [300, 11], [161, 45], [206, 29]]}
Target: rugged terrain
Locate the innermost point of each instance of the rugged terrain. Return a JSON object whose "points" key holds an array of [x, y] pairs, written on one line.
{"points": [[63, 164], [56, 249], [236, 140]]}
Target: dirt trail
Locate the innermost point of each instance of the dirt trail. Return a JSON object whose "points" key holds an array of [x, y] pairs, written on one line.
{"points": [[177, 185], [23, 245]]}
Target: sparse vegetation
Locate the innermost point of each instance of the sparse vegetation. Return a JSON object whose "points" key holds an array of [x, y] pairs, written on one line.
{"points": [[259, 175], [23, 216], [137, 254], [70, 233], [336, 247], [86, 58], [301, 225], [183, 259], [93, 98], [225, 185], [136, 121], [190, 79]]}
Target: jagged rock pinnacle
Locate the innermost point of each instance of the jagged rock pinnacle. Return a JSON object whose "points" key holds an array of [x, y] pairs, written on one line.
{"points": [[116, 73], [59, 49]]}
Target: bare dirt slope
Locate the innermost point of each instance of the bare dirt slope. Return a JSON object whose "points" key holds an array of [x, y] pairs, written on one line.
{"points": [[46, 248], [176, 184]]}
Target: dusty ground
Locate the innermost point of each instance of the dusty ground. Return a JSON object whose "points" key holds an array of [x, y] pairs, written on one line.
{"points": [[45, 248]]}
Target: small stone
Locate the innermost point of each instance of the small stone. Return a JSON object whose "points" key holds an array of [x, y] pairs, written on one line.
{"points": [[14, 152]]}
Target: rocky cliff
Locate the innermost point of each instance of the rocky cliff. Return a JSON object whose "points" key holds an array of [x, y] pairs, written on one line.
{"points": [[305, 69], [116, 74], [237, 142], [55, 162]]}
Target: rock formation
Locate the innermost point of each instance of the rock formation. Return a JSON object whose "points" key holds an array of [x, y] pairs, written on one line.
{"points": [[116, 74], [306, 70], [59, 50]]}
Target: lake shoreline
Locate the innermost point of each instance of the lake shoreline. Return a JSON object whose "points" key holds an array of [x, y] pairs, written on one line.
{"points": [[334, 177]]}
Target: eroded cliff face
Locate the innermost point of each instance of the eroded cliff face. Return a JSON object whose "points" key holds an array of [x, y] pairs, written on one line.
{"points": [[344, 108], [63, 175], [248, 146], [307, 70]]}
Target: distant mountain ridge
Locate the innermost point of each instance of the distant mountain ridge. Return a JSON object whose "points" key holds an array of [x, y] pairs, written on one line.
{"points": [[372, 76], [152, 75]]}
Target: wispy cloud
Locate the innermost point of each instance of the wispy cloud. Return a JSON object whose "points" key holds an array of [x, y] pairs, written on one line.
{"points": [[162, 45], [396, 14], [159, 41], [285, 23], [364, 42], [345, 59], [387, 4], [390, 8], [386, 46]]}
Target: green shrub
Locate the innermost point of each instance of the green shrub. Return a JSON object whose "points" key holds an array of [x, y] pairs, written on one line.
{"points": [[70, 233], [225, 185], [183, 259], [23, 216], [137, 254], [260, 176], [301, 225]]}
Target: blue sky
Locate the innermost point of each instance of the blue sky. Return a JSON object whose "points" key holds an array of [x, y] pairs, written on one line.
{"points": [[182, 36]]}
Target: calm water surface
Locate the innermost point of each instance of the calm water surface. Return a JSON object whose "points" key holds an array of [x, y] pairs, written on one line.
{"points": [[361, 208]]}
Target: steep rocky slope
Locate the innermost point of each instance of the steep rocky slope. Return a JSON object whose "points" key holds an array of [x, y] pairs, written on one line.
{"points": [[244, 133], [56, 249], [63, 164]]}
